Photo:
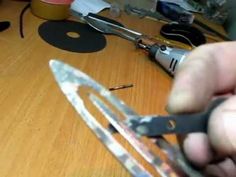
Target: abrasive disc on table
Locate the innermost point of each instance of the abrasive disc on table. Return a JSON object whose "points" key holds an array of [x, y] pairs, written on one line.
{"points": [[72, 36]]}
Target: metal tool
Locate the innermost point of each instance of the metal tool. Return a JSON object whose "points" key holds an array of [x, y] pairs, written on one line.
{"points": [[111, 28], [71, 81], [174, 13], [209, 32], [145, 13], [169, 58]]}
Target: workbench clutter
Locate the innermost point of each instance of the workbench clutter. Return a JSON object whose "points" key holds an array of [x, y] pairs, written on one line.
{"points": [[46, 9], [181, 12], [84, 7], [67, 35], [51, 9], [169, 58], [168, 52]]}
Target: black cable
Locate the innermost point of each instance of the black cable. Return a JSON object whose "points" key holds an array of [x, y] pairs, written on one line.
{"points": [[21, 19]]}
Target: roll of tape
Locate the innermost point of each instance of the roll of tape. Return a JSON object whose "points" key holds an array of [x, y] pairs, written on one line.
{"points": [[51, 9]]}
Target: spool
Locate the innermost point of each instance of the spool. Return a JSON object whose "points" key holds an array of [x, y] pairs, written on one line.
{"points": [[51, 9]]}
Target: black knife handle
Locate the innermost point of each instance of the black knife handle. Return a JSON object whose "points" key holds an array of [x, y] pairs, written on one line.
{"points": [[175, 124]]}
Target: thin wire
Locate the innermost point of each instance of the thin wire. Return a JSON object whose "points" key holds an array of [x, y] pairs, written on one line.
{"points": [[21, 19]]}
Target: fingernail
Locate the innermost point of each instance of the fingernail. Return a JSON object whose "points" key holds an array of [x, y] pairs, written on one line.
{"points": [[178, 100], [167, 109], [213, 171], [229, 121]]}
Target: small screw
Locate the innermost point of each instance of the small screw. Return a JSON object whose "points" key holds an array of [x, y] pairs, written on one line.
{"points": [[142, 129]]}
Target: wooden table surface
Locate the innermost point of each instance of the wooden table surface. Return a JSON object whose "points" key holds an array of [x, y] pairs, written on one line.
{"points": [[40, 133]]}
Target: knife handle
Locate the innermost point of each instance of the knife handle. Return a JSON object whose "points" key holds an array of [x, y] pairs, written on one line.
{"points": [[176, 124]]}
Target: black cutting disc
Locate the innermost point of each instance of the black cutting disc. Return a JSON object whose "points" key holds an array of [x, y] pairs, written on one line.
{"points": [[72, 36]]}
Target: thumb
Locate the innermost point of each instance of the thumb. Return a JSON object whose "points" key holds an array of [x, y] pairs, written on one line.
{"points": [[222, 127]]}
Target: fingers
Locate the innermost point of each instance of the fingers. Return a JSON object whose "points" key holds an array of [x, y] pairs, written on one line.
{"points": [[197, 148], [222, 131], [226, 168], [194, 82], [209, 69], [222, 127]]}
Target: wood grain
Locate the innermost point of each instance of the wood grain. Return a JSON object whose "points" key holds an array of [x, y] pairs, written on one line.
{"points": [[40, 133]]}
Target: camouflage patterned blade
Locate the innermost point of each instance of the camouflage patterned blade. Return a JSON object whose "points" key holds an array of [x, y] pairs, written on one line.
{"points": [[69, 80], [173, 153], [164, 169], [176, 157]]}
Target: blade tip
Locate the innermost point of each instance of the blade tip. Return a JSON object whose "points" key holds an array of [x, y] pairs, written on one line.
{"points": [[51, 62]]}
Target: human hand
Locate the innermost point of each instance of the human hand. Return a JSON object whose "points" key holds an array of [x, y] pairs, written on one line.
{"points": [[209, 70]]}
